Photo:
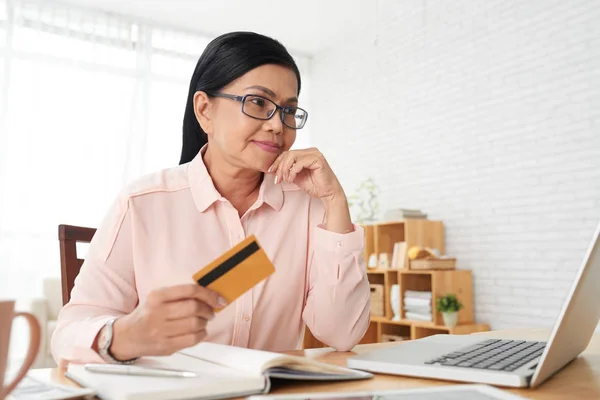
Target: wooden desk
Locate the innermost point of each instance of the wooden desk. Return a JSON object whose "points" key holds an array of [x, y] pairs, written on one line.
{"points": [[578, 380]]}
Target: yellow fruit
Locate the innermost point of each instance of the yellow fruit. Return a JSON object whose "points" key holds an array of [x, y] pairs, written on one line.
{"points": [[413, 252], [419, 253]]}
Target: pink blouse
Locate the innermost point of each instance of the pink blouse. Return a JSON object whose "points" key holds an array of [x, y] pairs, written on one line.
{"points": [[168, 225]]}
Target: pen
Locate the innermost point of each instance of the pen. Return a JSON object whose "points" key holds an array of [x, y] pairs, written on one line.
{"points": [[138, 370]]}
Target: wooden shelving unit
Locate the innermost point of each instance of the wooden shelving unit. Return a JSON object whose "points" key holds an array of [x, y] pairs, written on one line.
{"points": [[458, 282], [426, 233], [380, 238]]}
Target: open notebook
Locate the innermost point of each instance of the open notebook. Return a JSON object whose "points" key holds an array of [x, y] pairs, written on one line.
{"points": [[222, 372]]}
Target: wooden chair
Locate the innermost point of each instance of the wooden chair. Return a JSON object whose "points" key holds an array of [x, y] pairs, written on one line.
{"points": [[70, 264]]}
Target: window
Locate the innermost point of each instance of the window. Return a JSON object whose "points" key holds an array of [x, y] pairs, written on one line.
{"points": [[93, 101], [88, 102], [3, 23], [174, 54]]}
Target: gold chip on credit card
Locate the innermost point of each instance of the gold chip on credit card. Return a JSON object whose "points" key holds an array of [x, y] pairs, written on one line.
{"points": [[236, 271]]}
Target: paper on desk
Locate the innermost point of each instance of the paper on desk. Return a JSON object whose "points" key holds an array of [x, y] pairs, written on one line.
{"points": [[31, 388], [443, 392]]}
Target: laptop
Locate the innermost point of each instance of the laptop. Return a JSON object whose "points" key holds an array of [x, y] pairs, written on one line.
{"points": [[500, 362]]}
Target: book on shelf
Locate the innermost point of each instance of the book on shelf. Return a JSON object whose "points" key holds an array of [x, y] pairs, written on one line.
{"points": [[399, 255], [404, 213], [222, 372]]}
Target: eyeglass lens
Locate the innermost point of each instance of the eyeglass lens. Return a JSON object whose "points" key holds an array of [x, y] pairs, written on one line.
{"points": [[259, 107]]}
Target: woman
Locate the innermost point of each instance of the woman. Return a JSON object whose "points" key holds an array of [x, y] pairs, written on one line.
{"points": [[134, 295]]}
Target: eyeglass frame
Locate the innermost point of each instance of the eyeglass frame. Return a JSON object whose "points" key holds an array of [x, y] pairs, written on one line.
{"points": [[242, 100]]}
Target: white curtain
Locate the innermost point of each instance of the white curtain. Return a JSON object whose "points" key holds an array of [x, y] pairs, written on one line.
{"points": [[88, 102]]}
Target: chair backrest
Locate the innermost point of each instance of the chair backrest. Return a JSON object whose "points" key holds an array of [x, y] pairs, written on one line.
{"points": [[70, 264]]}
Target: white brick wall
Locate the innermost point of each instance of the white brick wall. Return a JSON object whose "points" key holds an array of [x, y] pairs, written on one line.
{"points": [[485, 114]]}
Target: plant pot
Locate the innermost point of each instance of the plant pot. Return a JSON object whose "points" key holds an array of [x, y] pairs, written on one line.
{"points": [[450, 318]]}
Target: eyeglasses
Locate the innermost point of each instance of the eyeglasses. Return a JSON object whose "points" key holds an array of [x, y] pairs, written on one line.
{"points": [[259, 107]]}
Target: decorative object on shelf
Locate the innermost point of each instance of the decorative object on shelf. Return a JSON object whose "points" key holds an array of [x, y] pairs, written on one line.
{"points": [[395, 301], [377, 304], [449, 306], [372, 261], [365, 202], [433, 264], [426, 258], [417, 305], [422, 253], [384, 260]]}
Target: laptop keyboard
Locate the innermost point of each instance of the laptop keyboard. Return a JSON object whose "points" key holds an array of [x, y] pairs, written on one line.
{"points": [[493, 354]]}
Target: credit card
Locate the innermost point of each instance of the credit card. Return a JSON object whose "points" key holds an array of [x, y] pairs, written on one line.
{"points": [[237, 270]]}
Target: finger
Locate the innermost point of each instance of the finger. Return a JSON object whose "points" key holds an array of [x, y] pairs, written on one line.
{"points": [[184, 326], [174, 293], [303, 163], [278, 168], [210, 297], [295, 170], [188, 308], [285, 166], [273, 166], [187, 291]]}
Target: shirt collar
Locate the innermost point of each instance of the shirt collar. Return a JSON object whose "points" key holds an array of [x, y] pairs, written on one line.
{"points": [[205, 194]]}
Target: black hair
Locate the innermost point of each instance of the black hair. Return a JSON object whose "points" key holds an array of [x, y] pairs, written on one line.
{"points": [[225, 59]]}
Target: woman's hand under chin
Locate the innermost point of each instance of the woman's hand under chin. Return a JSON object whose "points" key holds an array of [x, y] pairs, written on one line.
{"points": [[308, 169]]}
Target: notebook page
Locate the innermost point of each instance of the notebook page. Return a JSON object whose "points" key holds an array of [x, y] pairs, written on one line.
{"points": [[256, 362], [239, 358], [212, 380]]}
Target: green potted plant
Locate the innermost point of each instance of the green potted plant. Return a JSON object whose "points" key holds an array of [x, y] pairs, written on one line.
{"points": [[449, 306]]}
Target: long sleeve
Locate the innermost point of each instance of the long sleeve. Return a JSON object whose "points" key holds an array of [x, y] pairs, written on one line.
{"points": [[337, 307], [104, 289]]}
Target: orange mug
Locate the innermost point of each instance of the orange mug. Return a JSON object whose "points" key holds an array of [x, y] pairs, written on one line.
{"points": [[7, 314]]}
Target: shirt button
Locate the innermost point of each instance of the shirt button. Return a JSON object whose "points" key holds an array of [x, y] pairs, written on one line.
{"points": [[340, 244], [246, 318]]}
